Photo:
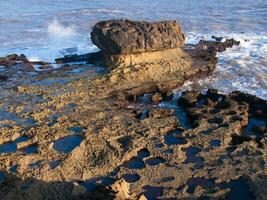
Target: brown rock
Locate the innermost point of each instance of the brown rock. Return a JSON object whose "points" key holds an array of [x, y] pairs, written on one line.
{"points": [[156, 98], [219, 46], [125, 36], [160, 113], [13, 59], [189, 98]]}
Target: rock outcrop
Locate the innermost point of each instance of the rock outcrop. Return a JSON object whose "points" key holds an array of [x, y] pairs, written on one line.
{"points": [[139, 140], [219, 46], [126, 36], [13, 59]]}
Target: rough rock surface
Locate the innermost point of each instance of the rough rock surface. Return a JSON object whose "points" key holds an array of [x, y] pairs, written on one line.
{"points": [[125, 36], [219, 46], [12, 65], [133, 138], [12, 60]]}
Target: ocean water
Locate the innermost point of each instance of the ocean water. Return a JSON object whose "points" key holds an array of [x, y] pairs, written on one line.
{"points": [[46, 29]]}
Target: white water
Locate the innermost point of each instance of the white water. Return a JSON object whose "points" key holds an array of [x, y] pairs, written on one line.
{"points": [[46, 29], [241, 68]]}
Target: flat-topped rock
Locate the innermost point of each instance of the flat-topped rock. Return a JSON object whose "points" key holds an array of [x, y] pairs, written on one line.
{"points": [[125, 36]]}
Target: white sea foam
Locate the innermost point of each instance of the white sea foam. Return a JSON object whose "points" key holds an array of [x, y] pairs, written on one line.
{"points": [[241, 68], [59, 30]]}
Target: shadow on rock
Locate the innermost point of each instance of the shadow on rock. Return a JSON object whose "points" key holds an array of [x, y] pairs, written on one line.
{"points": [[13, 187]]}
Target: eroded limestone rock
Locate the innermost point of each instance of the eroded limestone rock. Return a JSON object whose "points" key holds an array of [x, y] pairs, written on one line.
{"points": [[126, 36], [123, 155]]}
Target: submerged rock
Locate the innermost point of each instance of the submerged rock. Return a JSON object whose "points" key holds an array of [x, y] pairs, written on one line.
{"points": [[126, 36]]}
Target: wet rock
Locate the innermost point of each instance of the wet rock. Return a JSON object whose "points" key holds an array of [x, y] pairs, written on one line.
{"points": [[212, 94], [237, 139], [258, 106], [188, 99], [91, 58], [218, 39], [213, 108], [216, 120], [168, 95], [13, 59], [161, 113], [225, 103], [218, 45], [209, 49], [204, 52], [126, 36], [116, 144]]}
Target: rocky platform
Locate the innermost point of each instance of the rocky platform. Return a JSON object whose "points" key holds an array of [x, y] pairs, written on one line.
{"points": [[126, 135]]}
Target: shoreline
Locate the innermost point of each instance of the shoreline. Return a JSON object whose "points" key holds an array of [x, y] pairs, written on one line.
{"points": [[109, 136]]}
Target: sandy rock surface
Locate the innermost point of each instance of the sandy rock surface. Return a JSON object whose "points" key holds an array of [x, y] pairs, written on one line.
{"points": [[125, 135]]}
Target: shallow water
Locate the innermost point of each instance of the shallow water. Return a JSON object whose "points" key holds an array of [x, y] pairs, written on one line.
{"points": [[11, 147], [68, 143], [46, 29]]}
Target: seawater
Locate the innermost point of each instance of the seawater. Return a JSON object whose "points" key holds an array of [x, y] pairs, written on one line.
{"points": [[46, 29]]}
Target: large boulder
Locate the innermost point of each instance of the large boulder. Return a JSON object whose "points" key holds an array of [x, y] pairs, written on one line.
{"points": [[125, 36]]}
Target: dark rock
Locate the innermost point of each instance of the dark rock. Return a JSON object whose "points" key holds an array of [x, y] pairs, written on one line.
{"points": [[46, 67], [13, 59], [218, 39], [3, 78], [237, 139], [209, 49], [257, 106], [125, 36], [189, 98], [166, 96], [219, 46], [204, 52], [91, 58], [212, 94], [40, 63], [225, 103], [216, 120]]}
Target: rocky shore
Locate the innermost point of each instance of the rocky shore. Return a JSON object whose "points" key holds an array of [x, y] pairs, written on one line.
{"points": [[122, 132]]}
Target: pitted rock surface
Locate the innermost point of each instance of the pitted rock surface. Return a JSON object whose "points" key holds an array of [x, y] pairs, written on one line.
{"points": [[125, 36]]}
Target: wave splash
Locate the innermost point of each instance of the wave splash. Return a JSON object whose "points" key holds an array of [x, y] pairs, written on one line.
{"points": [[241, 68], [56, 29]]}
